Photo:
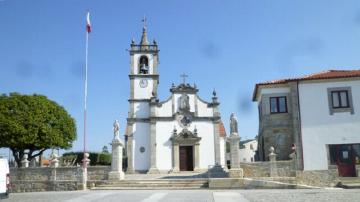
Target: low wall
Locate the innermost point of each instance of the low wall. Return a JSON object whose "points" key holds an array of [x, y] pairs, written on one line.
{"points": [[54, 179], [319, 178], [262, 169]]}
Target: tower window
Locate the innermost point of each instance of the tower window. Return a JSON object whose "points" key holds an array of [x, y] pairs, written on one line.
{"points": [[143, 65], [278, 105]]}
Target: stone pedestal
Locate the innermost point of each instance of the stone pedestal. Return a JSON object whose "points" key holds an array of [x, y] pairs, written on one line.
{"points": [[24, 161], [116, 172], [235, 170], [54, 161], [273, 166], [85, 162], [217, 172], [153, 170], [236, 173]]}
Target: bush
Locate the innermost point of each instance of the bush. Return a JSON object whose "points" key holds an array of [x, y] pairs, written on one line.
{"points": [[95, 158], [104, 159]]}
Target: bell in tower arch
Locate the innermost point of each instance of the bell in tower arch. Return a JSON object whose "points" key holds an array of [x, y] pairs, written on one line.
{"points": [[144, 65]]}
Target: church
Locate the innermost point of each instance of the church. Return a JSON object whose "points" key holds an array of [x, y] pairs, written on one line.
{"points": [[182, 133]]}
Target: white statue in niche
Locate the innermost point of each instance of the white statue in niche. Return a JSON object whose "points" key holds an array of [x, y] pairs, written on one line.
{"points": [[184, 103]]}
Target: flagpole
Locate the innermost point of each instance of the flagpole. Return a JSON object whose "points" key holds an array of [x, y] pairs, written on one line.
{"points": [[85, 97], [85, 107]]}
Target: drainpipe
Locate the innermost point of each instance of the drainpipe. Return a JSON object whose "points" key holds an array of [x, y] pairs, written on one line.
{"points": [[300, 126]]}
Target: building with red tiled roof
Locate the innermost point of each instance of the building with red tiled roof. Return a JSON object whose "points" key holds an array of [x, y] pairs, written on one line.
{"points": [[325, 75], [315, 117]]}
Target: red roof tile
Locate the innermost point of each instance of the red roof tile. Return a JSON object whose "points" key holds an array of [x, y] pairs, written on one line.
{"points": [[329, 74], [222, 132]]}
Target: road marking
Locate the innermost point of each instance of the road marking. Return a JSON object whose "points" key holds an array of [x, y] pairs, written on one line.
{"points": [[229, 197], [155, 197], [89, 196]]}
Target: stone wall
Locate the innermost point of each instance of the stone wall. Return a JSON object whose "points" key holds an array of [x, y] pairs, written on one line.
{"points": [[43, 185], [53, 179], [262, 169], [319, 178]]}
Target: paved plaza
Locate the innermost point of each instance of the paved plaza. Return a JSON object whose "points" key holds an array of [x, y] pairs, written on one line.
{"points": [[299, 195]]}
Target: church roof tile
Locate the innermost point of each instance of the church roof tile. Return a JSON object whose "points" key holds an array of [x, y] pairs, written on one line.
{"points": [[222, 132]]}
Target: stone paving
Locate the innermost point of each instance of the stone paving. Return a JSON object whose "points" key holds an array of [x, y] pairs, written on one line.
{"points": [[318, 195]]}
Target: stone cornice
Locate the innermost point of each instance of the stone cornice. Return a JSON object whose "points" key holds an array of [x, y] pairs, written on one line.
{"points": [[139, 100], [173, 118], [154, 52], [153, 76]]}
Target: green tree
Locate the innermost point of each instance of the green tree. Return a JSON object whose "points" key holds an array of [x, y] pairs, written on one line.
{"points": [[31, 124]]}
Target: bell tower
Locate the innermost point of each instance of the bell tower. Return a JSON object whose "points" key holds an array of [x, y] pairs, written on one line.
{"points": [[144, 77], [144, 80]]}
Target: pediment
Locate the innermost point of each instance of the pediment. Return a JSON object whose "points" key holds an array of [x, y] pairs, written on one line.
{"points": [[185, 137]]}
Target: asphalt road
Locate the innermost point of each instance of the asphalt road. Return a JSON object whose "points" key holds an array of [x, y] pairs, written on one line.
{"points": [[299, 195]]}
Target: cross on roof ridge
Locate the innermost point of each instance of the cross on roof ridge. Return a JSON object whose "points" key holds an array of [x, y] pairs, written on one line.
{"points": [[184, 77]]}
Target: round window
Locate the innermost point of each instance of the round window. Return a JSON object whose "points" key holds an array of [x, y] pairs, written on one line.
{"points": [[142, 149]]}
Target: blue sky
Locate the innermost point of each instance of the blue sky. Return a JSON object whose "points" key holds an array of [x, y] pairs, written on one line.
{"points": [[222, 44]]}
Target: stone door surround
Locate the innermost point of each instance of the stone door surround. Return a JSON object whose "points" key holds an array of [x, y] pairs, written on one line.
{"points": [[185, 138]]}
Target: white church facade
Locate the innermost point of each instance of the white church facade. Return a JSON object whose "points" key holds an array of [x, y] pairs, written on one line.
{"points": [[182, 133]]}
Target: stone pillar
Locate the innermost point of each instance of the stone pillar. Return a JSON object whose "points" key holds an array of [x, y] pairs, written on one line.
{"points": [[54, 161], [273, 166], [24, 161], [197, 157], [292, 156], [176, 160], [217, 142], [130, 150], [235, 170], [153, 168], [215, 104], [84, 170], [116, 172], [296, 124]]}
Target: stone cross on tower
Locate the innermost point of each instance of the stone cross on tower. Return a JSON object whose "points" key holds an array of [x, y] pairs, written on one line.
{"points": [[184, 78], [144, 21]]}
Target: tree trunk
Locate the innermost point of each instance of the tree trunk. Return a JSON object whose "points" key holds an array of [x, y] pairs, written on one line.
{"points": [[18, 156]]}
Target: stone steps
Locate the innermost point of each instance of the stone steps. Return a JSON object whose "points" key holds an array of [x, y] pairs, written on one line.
{"points": [[291, 180], [349, 182], [212, 183], [258, 183], [181, 175], [153, 184]]}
